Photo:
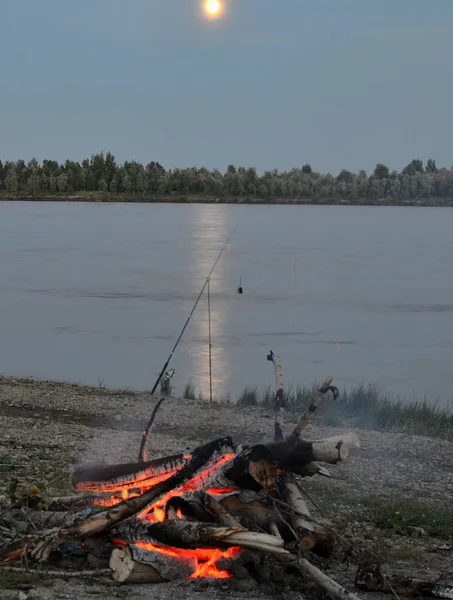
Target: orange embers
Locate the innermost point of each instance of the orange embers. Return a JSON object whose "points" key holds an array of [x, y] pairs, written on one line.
{"points": [[144, 480], [202, 560], [156, 512], [220, 491]]}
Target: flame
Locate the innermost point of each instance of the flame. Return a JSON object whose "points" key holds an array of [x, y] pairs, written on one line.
{"points": [[156, 511], [203, 559], [179, 513]]}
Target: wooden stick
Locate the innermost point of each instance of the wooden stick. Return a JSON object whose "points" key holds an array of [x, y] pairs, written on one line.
{"points": [[223, 515], [279, 396], [334, 589], [308, 416], [54, 573]]}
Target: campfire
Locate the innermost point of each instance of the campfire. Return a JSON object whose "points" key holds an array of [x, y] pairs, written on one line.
{"points": [[223, 511]]}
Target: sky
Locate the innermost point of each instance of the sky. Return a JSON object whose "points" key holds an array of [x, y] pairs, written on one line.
{"points": [[272, 84]]}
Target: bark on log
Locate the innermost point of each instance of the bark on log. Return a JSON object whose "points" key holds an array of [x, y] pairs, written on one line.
{"points": [[126, 570], [279, 396], [117, 477], [297, 453], [182, 534], [312, 536], [252, 469], [224, 517]]}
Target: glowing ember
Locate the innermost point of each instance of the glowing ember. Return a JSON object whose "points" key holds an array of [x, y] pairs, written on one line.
{"points": [[145, 480], [220, 491], [203, 559], [156, 511]]}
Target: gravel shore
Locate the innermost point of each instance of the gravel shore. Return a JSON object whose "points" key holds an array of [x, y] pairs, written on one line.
{"points": [[47, 427]]}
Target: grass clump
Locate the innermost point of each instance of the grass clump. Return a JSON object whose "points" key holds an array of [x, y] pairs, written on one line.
{"points": [[367, 407], [189, 392], [399, 514]]}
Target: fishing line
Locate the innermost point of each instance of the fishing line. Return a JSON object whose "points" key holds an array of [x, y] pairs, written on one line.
{"points": [[141, 456]]}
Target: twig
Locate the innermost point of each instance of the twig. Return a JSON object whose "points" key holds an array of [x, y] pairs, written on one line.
{"points": [[285, 521], [55, 573]]}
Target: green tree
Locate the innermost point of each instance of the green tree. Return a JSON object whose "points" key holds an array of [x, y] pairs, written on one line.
{"points": [[381, 171], [11, 179]]}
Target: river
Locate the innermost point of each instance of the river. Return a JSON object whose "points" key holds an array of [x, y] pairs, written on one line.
{"points": [[98, 293]]}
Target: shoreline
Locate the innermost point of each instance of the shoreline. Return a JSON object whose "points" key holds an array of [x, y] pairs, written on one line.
{"points": [[391, 496], [393, 485], [107, 199]]}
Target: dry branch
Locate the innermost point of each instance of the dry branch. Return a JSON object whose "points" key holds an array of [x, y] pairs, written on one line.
{"points": [[279, 396], [308, 416]]}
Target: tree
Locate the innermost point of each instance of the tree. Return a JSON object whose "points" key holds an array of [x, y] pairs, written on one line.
{"points": [[11, 179], [381, 171], [431, 166], [416, 166], [345, 176]]}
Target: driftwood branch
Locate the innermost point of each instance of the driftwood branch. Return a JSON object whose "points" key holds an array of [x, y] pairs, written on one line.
{"points": [[307, 417], [279, 396]]}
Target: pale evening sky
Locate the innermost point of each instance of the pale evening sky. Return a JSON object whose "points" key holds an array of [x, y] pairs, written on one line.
{"points": [[274, 83]]}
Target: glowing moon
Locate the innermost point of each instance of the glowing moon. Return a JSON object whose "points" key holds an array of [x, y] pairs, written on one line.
{"points": [[213, 8]]}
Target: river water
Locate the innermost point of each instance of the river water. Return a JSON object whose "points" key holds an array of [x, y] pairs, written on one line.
{"points": [[99, 293]]}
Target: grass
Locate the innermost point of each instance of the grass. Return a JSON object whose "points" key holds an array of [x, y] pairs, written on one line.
{"points": [[189, 392], [399, 514], [367, 407]]}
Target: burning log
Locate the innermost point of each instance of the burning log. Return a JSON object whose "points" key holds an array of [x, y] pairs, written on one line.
{"points": [[116, 478], [180, 533]]}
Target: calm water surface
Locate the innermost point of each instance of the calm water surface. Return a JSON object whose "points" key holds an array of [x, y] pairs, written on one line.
{"points": [[94, 292]]}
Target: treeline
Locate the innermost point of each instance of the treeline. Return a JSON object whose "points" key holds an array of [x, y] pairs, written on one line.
{"points": [[101, 175]]}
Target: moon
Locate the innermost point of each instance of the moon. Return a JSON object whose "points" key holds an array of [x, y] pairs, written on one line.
{"points": [[213, 8]]}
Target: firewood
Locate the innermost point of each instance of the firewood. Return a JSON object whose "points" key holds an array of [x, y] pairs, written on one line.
{"points": [[178, 533], [312, 536], [126, 570], [222, 514], [117, 477], [295, 453], [106, 519], [279, 396], [308, 416]]}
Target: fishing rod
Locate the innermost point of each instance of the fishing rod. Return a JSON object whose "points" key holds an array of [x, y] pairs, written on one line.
{"points": [[141, 456]]}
